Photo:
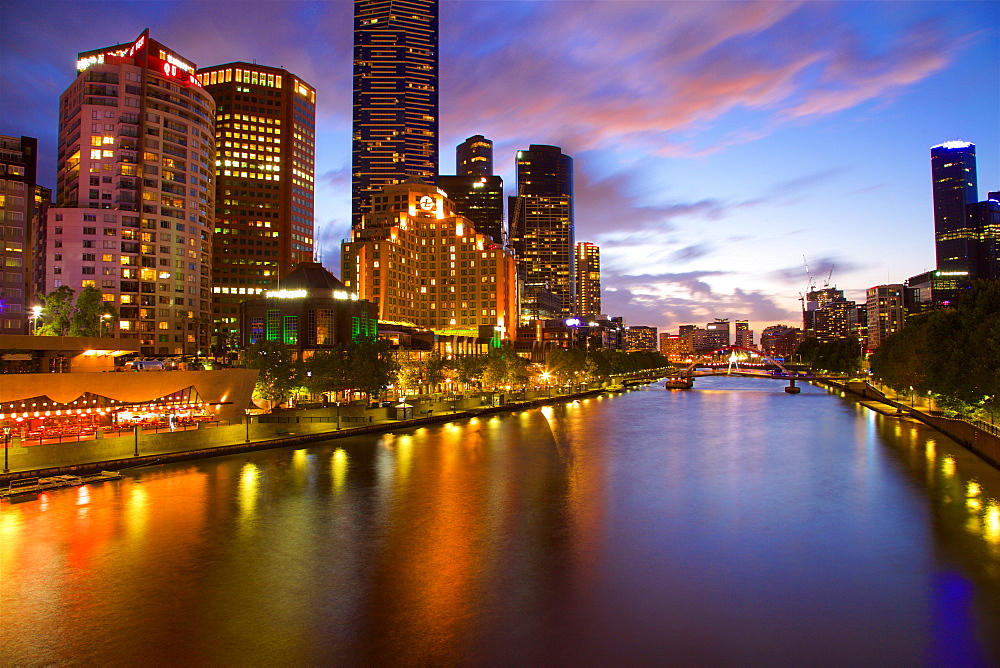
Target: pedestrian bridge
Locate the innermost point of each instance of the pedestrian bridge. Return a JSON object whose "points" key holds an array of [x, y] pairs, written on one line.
{"points": [[684, 378]]}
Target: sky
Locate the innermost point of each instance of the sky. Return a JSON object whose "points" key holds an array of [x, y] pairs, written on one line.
{"points": [[719, 147]]}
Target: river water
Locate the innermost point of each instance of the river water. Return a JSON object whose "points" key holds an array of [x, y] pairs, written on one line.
{"points": [[729, 524]]}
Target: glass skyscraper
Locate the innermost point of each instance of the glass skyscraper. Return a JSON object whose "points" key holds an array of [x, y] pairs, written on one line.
{"points": [[395, 97], [953, 171]]}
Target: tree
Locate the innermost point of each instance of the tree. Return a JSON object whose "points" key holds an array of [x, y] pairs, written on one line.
{"points": [[279, 374], [325, 371], [88, 313], [371, 366], [410, 374], [57, 312], [469, 370]]}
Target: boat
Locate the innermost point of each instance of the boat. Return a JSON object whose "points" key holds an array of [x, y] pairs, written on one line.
{"points": [[678, 383], [36, 485], [614, 388]]}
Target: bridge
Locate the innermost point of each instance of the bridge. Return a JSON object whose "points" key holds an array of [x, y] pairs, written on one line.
{"points": [[684, 378]]}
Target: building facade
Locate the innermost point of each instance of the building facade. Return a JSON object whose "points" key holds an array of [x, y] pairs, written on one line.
{"points": [[885, 313], [744, 335], [542, 223], [588, 280], [675, 346], [265, 131], [422, 264], [984, 221], [23, 208], [312, 311], [395, 118], [135, 204], [641, 338]]}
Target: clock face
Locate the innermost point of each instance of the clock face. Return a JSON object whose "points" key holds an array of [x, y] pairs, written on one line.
{"points": [[426, 202]]}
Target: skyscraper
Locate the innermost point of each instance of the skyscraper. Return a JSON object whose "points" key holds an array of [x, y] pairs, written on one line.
{"points": [[265, 131], [984, 221], [474, 157], [395, 96], [136, 193], [953, 173], [885, 313], [23, 205], [588, 279], [475, 190], [542, 222]]}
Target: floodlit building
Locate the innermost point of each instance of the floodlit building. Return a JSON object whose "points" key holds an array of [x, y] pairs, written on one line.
{"points": [[675, 345], [135, 202], [265, 130], [395, 96], [641, 338], [423, 265]]}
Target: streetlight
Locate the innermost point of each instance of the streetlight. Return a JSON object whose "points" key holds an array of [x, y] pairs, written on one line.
{"points": [[36, 313], [6, 440], [106, 322], [248, 424]]}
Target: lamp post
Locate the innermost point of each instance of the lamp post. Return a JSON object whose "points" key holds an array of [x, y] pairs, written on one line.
{"points": [[36, 313], [136, 430], [6, 441], [248, 424]]}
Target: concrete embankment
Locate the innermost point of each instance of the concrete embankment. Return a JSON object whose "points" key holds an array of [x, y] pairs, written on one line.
{"points": [[982, 443], [227, 440]]}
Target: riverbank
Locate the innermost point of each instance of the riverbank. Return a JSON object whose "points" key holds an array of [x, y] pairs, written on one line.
{"points": [[979, 441], [284, 429]]}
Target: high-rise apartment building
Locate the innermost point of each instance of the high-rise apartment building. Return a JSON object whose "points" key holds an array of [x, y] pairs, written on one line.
{"points": [[885, 313], [23, 207], [476, 192], [265, 132], [542, 223], [953, 174], [588, 279], [395, 96], [641, 338], [135, 202], [744, 335], [422, 264]]}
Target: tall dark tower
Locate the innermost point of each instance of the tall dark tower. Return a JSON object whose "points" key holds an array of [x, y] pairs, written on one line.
{"points": [[474, 157], [475, 190], [541, 224], [395, 96], [953, 175]]}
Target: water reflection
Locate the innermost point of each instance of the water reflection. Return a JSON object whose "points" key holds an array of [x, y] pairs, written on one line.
{"points": [[711, 526]]}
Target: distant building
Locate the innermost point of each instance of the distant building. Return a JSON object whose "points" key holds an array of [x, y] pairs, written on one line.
{"points": [[675, 345], [474, 157], [395, 117], [23, 208], [885, 313], [716, 335], [640, 338], [588, 280], [476, 192], [984, 221], [836, 320], [781, 340], [541, 223], [423, 265], [744, 335]]}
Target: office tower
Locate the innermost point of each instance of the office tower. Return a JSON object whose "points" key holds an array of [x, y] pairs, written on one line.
{"points": [[675, 344], [476, 192], [744, 335], [588, 279], [640, 338], [984, 221], [953, 174], [23, 207], [395, 96], [885, 313], [424, 265], [474, 157], [781, 340], [265, 133], [541, 224], [135, 197], [837, 319]]}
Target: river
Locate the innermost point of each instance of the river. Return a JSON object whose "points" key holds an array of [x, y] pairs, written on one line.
{"points": [[728, 524]]}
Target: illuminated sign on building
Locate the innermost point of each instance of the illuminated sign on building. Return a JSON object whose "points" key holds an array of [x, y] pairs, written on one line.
{"points": [[285, 294]]}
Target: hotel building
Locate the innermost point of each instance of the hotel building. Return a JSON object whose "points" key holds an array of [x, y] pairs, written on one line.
{"points": [[588, 280], [395, 122], [135, 199], [424, 265], [265, 132]]}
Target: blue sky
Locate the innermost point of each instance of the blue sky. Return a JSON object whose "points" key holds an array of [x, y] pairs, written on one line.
{"points": [[715, 143]]}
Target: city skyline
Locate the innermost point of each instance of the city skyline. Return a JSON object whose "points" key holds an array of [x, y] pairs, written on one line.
{"points": [[704, 171]]}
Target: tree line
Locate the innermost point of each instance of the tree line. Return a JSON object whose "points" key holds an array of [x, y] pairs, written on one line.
{"points": [[953, 353]]}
